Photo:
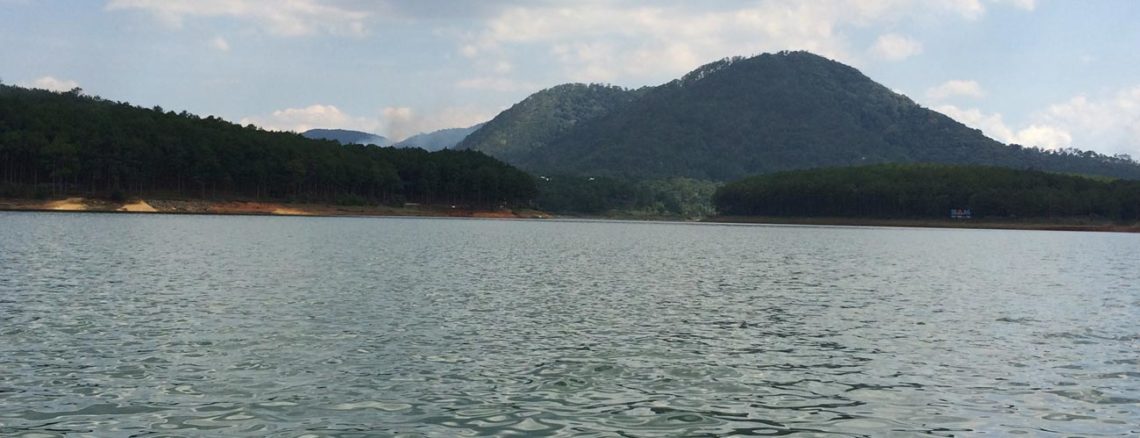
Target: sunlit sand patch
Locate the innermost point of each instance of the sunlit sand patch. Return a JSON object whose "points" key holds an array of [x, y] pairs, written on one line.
{"points": [[139, 206], [290, 212], [69, 204]]}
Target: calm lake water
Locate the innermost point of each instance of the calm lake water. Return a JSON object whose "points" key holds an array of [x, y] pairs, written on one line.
{"points": [[122, 325]]}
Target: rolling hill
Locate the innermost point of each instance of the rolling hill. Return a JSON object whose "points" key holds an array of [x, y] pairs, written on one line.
{"points": [[744, 116]]}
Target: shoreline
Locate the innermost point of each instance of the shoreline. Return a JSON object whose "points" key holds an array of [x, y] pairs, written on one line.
{"points": [[267, 208], [1073, 224], [256, 208]]}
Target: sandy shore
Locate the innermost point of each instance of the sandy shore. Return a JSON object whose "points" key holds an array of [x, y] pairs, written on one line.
{"points": [[168, 206], [139, 206], [69, 204]]}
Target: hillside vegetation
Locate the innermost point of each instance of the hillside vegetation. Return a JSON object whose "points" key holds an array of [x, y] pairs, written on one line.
{"points": [[745, 116], [929, 191], [69, 143], [531, 126], [679, 198]]}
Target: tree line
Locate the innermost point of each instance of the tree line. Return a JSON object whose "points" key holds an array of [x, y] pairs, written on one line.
{"points": [[929, 191], [673, 197], [69, 143]]}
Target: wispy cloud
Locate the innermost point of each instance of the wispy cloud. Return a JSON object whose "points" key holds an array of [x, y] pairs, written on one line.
{"points": [[220, 44], [994, 126], [614, 40], [497, 83], [310, 117], [394, 122], [278, 17], [954, 88], [895, 47], [403, 122], [605, 41], [51, 83], [1109, 123], [1027, 5]]}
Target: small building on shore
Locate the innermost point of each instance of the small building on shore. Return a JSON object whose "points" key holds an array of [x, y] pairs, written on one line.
{"points": [[961, 213]]}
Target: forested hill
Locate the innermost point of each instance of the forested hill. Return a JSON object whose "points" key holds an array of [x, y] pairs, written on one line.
{"points": [[746, 116], [69, 143], [529, 127]]}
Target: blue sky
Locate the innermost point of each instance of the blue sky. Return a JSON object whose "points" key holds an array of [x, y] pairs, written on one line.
{"points": [[1035, 72]]}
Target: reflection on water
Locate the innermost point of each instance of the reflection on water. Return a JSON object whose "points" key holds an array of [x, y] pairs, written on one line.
{"points": [[117, 325]]}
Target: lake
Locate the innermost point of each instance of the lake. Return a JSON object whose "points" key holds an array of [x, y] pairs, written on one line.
{"points": [[165, 325]]}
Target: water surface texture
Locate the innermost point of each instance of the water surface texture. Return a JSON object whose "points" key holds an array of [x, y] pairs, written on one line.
{"points": [[121, 325]]}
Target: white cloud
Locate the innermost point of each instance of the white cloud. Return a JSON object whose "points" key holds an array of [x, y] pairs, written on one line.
{"points": [[399, 122], [895, 47], [636, 42], [220, 43], [51, 83], [394, 122], [1027, 5], [968, 9], [503, 67], [310, 117], [1048, 137], [956, 88], [993, 125], [1109, 123], [606, 41], [278, 17], [596, 40]]}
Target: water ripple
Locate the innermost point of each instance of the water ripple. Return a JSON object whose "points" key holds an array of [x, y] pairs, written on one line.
{"points": [[337, 327]]}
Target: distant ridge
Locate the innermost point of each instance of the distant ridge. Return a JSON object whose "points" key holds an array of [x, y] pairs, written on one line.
{"points": [[438, 140], [744, 116], [344, 136]]}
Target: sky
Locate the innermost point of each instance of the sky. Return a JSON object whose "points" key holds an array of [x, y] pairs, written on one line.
{"points": [[1045, 73]]}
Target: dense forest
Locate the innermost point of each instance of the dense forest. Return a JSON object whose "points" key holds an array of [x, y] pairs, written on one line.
{"points": [[69, 143], [747, 116], [674, 197], [929, 191], [532, 124]]}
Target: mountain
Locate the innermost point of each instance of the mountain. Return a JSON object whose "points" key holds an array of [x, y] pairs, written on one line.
{"points": [[438, 140], [529, 127], [744, 116], [344, 136]]}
